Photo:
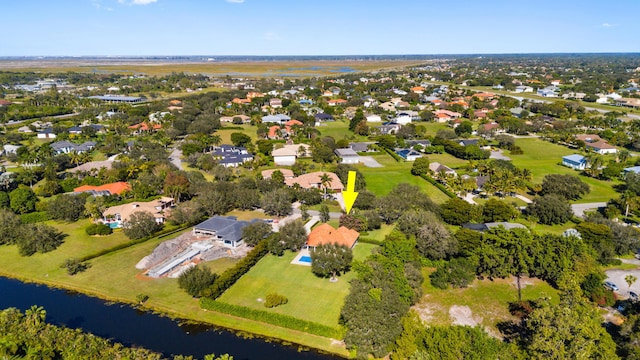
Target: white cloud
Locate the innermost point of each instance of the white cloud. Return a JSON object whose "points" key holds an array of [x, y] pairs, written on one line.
{"points": [[137, 2], [235, 1], [271, 36], [98, 5], [607, 25]]}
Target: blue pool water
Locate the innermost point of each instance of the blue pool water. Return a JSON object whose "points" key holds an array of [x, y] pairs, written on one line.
{"points": [[306, 259], [113, 225]]}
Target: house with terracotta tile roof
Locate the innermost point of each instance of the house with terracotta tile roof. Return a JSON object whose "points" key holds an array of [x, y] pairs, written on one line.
{"points": [[313, 181], [116, 216], [288, 174], [143, 126], [241, 101], [602, 147], [418, 89], [334, 102], [116, 188], [325, 234]]}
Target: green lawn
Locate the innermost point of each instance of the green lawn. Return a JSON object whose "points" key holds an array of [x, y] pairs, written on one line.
{"points": [[114, 277], [381, 233], [381, 181], [339, 130], [76, 244], [487, 299], [543, 158], [310, 298], [225, 134]]}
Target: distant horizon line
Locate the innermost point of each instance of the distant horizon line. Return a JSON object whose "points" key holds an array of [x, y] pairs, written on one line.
{"points": [[303, 56]]}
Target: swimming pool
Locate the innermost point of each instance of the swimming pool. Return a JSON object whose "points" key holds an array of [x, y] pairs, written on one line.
{"points": [[305, 258]]}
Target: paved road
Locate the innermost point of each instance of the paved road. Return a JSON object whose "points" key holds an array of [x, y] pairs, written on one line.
{"points": [[579, 209], [63, 116], [524, 198], [499, 155], [469, 198], [176, 158]]}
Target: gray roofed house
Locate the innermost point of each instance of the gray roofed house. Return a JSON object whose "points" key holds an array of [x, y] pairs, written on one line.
{"points": [[424, 143], [361, 146], [118, 99], [467, 142], [347, 156], [86, 146], [46, 133], [277, 118], [63, 147], [74, 130], [226, 229], [231, 156]]}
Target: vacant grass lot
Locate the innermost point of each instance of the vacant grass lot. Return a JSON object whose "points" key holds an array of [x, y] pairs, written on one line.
{"points": [[488, 300], [310, 298], [543, 158], [381, 181]]}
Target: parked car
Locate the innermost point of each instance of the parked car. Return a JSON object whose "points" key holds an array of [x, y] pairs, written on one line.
{"points": [[611, 286], [633, 296]]}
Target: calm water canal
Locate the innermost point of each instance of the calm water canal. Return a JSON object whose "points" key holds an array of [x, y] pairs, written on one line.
{"points": [[132, 327]]}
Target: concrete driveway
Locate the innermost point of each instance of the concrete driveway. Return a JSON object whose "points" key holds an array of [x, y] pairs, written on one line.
{"points": [[617, 277], [369, 161], [499, 155], [579, 209]]}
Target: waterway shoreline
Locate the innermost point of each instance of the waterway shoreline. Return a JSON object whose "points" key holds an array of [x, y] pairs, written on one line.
{"points": [[245, 328]]}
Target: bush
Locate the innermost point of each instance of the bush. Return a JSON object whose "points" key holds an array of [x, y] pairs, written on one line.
{"points": [[230, 276], [275, 299], [74, 266], [98, 229], [35, 217], [194, 280]]}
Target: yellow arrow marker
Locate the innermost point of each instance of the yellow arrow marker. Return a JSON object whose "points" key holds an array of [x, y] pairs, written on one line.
{"points": [[350, 195]]}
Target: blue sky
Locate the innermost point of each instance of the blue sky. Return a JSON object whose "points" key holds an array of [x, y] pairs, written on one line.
{"points": [[316, 27]]}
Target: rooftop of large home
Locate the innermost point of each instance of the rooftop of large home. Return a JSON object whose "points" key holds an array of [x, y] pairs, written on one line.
{"points": [[116, 188], [325, 234], [314, 181]]}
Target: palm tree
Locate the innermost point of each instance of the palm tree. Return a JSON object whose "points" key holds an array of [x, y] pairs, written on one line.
{"points": [[35, 316], [75, 157], [325, 181]]}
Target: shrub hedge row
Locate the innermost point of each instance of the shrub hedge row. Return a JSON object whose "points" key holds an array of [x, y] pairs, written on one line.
{"points": [[230, 276], [367, 240], [35, 217], [160, 234], [284, 321], [438, 185], [393, 154]]}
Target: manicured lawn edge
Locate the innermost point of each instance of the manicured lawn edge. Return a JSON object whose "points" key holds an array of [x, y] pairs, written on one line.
{"points": [[272, 318], [441, 187]]}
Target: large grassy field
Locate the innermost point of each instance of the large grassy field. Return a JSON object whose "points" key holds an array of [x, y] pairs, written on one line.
{"points": [[381, 181], [255, 69], [487, 299], [543, 158], [310, 298]]}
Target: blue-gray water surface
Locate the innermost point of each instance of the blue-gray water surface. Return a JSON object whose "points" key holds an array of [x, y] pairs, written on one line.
{"points": [[131, 327]]}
